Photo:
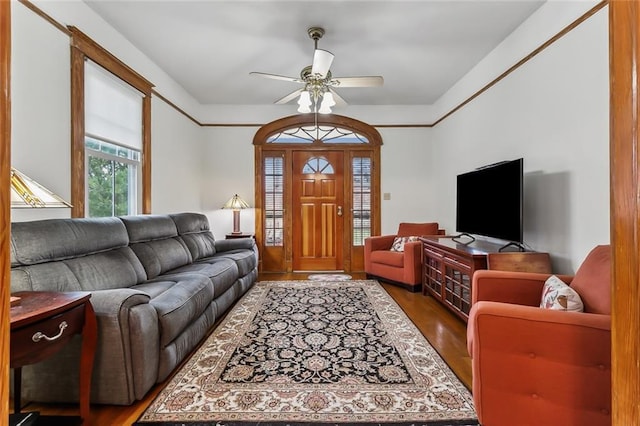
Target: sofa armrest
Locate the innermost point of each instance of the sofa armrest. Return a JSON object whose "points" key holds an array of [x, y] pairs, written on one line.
{"points": [[521, 288], [412, 261], [552, 367], [380, 242], [112, 302], [126, 364], [234, 244]]}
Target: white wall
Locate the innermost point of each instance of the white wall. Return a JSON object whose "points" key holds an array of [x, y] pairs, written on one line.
{"points": [[177, 165], [554, 112], [40, 107], [407, 175], [229, 156]]}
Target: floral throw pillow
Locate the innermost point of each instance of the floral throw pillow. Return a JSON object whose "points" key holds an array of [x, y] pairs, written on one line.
{"points": [[399, 242], [556, 294]]}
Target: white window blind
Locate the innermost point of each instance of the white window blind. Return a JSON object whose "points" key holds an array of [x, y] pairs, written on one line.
{"points": [[113, 109]]}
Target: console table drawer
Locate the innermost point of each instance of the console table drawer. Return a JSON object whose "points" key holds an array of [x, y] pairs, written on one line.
{"points": [[37, 341]]}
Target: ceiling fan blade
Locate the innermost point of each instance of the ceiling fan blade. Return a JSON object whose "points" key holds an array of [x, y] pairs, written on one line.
{"points": [[322, 60], [276, 77], [363, 81], [340, 102], [291, 96]]}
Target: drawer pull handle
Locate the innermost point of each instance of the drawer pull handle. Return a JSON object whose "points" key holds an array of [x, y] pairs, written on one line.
{"points": [[39, 335]]}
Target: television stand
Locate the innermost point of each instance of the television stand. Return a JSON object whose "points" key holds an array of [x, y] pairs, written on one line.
{"points": [[448, 267], [512, 244], [464, 234]]}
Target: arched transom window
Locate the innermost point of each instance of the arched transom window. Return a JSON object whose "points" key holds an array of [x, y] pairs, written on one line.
{"points": [[326, 134]]}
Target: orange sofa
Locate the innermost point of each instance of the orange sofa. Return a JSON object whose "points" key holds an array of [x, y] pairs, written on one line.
{"points": [[535, 366], [402, 268]]}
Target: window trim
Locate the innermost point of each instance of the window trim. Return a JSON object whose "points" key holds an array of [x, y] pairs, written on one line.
{"points": [[82, 48]]}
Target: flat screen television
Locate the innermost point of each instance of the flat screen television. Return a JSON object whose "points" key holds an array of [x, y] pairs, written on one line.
{"points": [[489, 201]]}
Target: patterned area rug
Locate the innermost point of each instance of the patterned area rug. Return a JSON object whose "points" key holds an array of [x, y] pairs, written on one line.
{"points": [[301, 352]]}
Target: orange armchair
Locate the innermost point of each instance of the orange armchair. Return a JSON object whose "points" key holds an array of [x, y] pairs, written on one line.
{"points": [[535, 366], [402, 268]]}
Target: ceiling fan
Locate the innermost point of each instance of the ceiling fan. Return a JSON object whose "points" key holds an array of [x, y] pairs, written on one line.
{"points": [[318, 90]]}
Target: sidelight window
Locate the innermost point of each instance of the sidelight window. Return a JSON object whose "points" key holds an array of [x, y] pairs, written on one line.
{"points": [[361, 175], [274, 201]]}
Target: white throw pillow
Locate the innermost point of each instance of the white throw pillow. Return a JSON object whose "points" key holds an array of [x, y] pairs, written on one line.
{"points": [[556, 294], [399, 242]]}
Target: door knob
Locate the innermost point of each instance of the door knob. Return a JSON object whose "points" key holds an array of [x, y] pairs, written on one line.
{"points": [[339, 210]]}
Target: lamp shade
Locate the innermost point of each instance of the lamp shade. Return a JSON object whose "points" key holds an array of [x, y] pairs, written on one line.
{"points": [[236, 203], [327, 103], [27, 193], [304, 102]]}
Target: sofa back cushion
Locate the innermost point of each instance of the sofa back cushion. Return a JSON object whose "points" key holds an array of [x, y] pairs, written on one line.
{"points": [[43, 241], [72, 255], [155, 241], [194, 230], [593, 281], [407, 229]]}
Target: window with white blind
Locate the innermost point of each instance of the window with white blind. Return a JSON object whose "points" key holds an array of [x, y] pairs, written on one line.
{"points": [[113, 144]]}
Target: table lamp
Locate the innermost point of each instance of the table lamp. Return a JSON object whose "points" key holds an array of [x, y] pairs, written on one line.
{"points": [[27, 193], [236, 204]]}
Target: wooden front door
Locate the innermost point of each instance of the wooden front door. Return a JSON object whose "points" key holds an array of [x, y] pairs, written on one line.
{"points": [[317, 205]]}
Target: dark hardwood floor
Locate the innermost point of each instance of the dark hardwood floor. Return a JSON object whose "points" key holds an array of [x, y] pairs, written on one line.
{"points": [[445, 332]]}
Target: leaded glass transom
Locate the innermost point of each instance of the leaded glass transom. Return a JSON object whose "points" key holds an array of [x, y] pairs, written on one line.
{"points": [[325, 134]]}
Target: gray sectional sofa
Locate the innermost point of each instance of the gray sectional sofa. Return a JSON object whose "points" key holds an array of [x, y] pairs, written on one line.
{"points": [[158, 284]]}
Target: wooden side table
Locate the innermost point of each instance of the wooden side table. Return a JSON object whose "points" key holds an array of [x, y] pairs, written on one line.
{"points": [[42, 323]]}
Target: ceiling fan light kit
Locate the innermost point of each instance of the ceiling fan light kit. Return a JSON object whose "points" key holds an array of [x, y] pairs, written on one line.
{"points": [[318, 94]]}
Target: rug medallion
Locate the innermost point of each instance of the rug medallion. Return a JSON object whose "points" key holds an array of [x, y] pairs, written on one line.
{"points": [[305, 351]]}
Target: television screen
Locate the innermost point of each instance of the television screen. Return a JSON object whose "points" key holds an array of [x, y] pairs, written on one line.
{"points": [[489, 201]]}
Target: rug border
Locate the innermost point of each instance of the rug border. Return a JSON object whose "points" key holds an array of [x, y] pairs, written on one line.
{"points": [[460, 422]]}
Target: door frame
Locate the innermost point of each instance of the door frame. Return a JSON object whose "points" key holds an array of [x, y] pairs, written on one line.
{"points": [[280, 258]]}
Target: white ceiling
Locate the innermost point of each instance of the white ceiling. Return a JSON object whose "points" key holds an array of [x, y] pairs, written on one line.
{"points": [[421, 48]]}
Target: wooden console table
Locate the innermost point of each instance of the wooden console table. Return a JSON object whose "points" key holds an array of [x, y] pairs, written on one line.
{"points": [[41, 324], [447, 268]]}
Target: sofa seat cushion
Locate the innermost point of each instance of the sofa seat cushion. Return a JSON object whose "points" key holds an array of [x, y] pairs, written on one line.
{"points": [[246, 260], [221, 272], [178, 299], [387, 257]]}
